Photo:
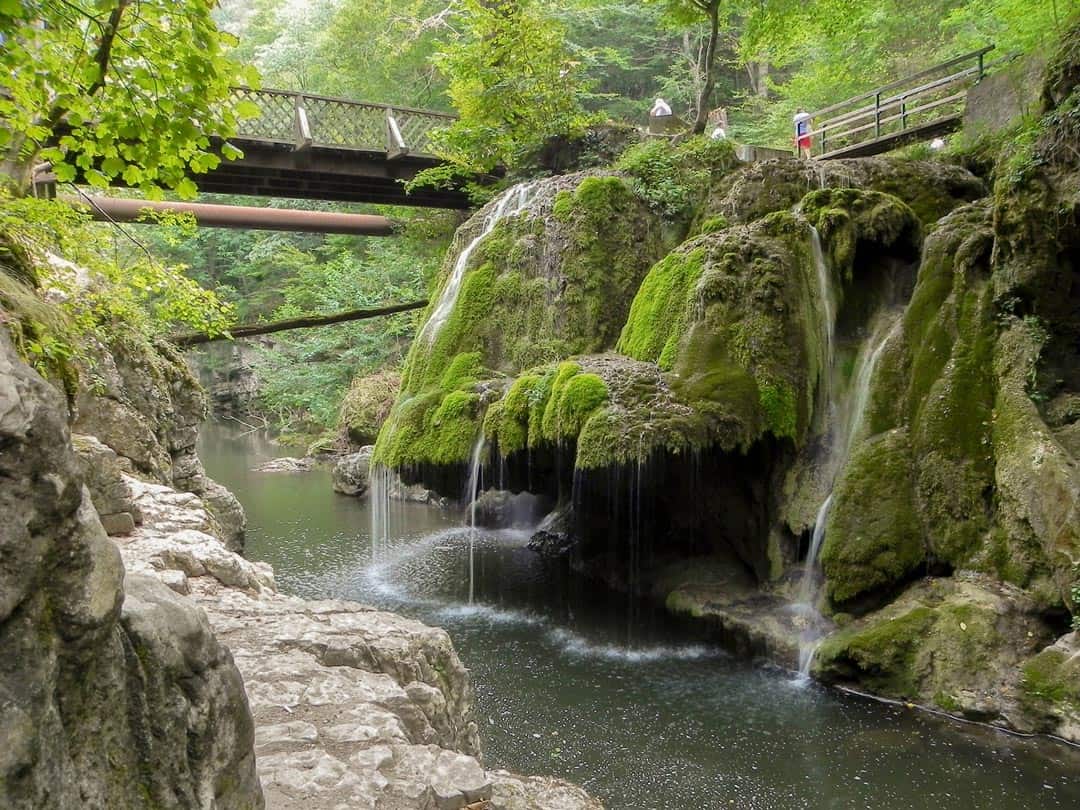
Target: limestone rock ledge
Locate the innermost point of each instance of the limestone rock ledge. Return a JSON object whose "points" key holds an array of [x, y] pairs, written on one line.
{"points": [[114, 693], [353, 707]]}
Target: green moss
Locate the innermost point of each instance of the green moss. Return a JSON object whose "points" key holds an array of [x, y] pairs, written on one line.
{"points": [[465, 369], [1051, 681], [550, 422], [510, 415], [881, 655], [581, 395], [564, 284], [947, 702], [845, 217], [550, 405], [713, 224], [367, 404], [779, 404], [451, 432], [658, 315], [873, 539], [682, 604], [941, 638]]}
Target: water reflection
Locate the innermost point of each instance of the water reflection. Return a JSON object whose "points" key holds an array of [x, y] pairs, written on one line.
{"points": [[566, 684]]}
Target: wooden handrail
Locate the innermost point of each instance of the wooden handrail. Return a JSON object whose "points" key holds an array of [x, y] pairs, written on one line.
{"points": [[888, 106], [905, 80], [893, 101], [349, 101]]}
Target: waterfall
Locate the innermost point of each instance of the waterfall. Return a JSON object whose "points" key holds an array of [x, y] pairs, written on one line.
{"points": [[512, 201], [472, 493], [843, 439], [827, 314], [380, 481]]}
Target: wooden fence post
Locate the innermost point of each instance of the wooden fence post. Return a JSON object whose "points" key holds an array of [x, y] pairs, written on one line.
{"points": [[303, 128]]}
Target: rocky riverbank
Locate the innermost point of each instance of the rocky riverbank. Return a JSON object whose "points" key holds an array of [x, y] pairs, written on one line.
{"points": [[149, 665], [352, 706]]}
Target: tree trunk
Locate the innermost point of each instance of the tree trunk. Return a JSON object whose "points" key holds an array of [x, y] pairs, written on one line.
{"points": [[708, 70], [195, 338], [16, 164]]}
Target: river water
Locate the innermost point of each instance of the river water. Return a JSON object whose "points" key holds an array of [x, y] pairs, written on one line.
{"points": [[594, 689]]}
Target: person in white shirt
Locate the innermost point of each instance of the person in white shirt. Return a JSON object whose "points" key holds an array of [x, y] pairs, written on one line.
{"points": [[660, 108]]}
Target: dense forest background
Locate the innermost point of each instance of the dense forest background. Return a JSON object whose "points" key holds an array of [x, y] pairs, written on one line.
{"points": [[518, 72]]}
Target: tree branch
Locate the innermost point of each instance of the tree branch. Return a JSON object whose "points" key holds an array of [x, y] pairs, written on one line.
{"points": [[187, 339], [104, 51]]}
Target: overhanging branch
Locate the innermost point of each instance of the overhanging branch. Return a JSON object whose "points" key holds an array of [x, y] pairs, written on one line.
{"points": [[187, 339]]}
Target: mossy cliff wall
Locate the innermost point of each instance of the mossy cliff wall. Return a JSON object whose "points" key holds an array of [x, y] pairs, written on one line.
{"points": [[980, 389], [657, 359], [548, 283]]}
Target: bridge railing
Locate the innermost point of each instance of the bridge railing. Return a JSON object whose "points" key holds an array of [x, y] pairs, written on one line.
{"points": [[306, 120], [913, 102]]}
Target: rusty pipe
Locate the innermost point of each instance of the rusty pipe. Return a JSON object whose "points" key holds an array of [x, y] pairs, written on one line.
{"points": [[119, 209]]}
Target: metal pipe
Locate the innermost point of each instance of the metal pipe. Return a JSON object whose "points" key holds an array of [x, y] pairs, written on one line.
{"points": [[119, 209]]}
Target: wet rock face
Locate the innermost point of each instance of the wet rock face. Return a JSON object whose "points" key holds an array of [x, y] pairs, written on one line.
{"points": [[956, 643], [104, 701], [498, 509], [142, 402], [286, 465], [350, 473]]}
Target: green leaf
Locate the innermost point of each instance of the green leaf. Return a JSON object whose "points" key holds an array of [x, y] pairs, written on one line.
{"points": [[230, 152], [133, 175], [112, 166], [187, 189], [65, 172], [96, 178]]}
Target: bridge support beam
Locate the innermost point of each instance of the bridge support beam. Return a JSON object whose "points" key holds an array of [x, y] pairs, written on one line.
{"points": [[117, 209]]}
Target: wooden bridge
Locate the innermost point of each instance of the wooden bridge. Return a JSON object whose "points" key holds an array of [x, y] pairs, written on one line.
{"points": [[309, 146], [925, 105]]}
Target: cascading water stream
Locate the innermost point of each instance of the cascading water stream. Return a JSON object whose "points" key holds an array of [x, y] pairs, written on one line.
{"points": [[472, 493], [512, 201], [828, 313], [380, 480], [844, 436]]}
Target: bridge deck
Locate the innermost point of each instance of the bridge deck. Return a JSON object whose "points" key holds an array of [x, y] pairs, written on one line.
{"points": [[307, 146], [886, 143], [925, 105]]}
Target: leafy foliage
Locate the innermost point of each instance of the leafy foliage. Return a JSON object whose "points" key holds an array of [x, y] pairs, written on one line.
{"points": [[102, 287], [116, 88], [305, 374], [512, 81]]}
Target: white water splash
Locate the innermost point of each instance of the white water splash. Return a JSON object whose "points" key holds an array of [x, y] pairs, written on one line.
{"points": [[511, 202]]}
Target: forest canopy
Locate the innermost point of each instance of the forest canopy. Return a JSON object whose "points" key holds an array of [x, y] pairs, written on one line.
{"points": [[110, 90]]}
